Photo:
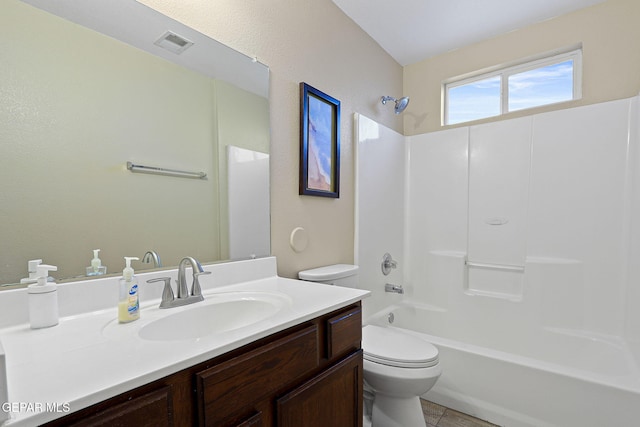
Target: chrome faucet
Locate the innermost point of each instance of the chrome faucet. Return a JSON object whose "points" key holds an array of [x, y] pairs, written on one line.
{"points": [[184, 297], [182, 281], [152, 255], [398, 289]]}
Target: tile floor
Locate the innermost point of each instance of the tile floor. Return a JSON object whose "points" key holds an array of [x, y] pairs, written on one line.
{"points": [[439, 416]]}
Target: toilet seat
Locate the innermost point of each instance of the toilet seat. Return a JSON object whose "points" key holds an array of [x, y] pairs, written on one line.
{"points": [[394, 348]]}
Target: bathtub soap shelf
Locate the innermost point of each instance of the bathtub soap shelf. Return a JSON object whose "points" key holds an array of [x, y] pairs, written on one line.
{"points": [[503, 267]]}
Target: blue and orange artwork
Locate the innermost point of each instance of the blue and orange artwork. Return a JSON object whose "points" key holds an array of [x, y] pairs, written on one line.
{"points": [[320, 161]]}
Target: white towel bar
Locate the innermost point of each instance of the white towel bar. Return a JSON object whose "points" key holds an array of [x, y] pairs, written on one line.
{"points": [[164, 171]]}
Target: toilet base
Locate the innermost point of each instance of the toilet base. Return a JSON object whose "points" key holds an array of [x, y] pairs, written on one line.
{"points": [[392, 411]]}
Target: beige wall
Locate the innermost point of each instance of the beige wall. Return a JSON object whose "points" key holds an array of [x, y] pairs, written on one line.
{"points": [[314, 42], [609, 33]]}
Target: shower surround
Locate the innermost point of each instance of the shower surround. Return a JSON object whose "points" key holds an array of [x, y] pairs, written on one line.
{"points": [[518, 245]]}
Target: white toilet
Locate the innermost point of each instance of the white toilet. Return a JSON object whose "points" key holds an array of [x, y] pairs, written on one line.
{"points": [[398, 367]]}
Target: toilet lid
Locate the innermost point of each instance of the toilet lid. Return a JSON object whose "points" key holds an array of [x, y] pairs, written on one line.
{"points": [[395, 348]]}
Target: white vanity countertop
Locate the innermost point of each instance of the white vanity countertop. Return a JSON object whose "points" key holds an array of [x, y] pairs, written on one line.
{"points": [[87, 358]]}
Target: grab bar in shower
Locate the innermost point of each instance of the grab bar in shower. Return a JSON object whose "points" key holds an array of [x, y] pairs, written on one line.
{"points": [[502, 267]]}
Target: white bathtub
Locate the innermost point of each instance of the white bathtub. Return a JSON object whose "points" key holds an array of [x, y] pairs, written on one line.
{"points": [[544, 377]]}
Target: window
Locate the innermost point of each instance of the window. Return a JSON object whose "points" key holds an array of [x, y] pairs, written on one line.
{"points": [[545, 81]]}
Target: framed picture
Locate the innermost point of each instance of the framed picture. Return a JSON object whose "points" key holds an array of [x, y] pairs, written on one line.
{"points": [[319, 143]]}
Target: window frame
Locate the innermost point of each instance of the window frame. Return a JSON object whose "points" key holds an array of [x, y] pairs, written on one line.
{"points": [[574, 54]]}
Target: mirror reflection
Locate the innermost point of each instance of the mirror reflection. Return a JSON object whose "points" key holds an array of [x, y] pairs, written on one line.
{"points": [[78, 104]]}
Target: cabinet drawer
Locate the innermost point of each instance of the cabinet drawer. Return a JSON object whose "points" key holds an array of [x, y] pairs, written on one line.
{"points": [[229, 391], [153, 409], [253, 421], [344, 332]]}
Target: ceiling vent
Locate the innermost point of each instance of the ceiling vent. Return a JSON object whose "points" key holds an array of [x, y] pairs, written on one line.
{"points": [[173, 42]]}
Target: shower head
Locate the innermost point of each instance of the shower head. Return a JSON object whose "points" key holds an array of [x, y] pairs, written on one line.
{"points": [[401, 103]]}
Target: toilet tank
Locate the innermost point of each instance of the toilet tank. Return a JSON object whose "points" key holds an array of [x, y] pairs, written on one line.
{"points": [[345, 275]]}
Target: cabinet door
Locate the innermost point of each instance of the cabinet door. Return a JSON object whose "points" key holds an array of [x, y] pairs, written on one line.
{"points": [[331, 399], [234, 389]]}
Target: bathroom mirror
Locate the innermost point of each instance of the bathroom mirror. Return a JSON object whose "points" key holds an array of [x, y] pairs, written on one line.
{"points": [[89, 85]]}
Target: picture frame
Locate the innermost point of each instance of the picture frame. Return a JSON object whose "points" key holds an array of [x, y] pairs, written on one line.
{"points": [[319, 143]]}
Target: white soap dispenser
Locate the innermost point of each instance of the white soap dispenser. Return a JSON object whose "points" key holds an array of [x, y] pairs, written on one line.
{"points": [[43, 299], [128, 303], [32, 268], [96, 268]]}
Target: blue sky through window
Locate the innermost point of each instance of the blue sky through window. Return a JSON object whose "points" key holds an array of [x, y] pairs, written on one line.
{"points": [[474, 101], [542, 86]]}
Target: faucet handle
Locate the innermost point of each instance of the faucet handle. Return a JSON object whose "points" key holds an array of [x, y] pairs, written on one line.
{"points": [[167, 292], [196, 291], [387, 264]]}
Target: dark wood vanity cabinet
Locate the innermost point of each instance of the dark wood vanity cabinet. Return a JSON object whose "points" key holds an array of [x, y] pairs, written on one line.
{"points": [[330, 399], [308, 375]]}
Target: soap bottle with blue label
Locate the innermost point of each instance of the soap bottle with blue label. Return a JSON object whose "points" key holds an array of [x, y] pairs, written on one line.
{"points": [[129, 303]]}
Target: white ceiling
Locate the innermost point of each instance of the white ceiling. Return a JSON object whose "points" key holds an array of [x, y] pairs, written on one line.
{"points": [[413, 30]]}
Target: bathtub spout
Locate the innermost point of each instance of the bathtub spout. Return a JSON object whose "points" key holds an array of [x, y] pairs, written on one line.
{"points": [[393, 288]]}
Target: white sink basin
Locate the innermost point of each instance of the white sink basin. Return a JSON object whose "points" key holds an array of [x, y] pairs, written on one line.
{"points": [[218, 313], [208, 319]]}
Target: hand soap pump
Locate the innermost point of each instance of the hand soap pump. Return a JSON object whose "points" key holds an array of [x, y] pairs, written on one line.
{"points": [[43, 299], [96, 268], [32, 268], [128, 304]]}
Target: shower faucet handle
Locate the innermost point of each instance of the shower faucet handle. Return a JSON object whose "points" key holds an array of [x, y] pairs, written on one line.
{"points": [[387, 264]]}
